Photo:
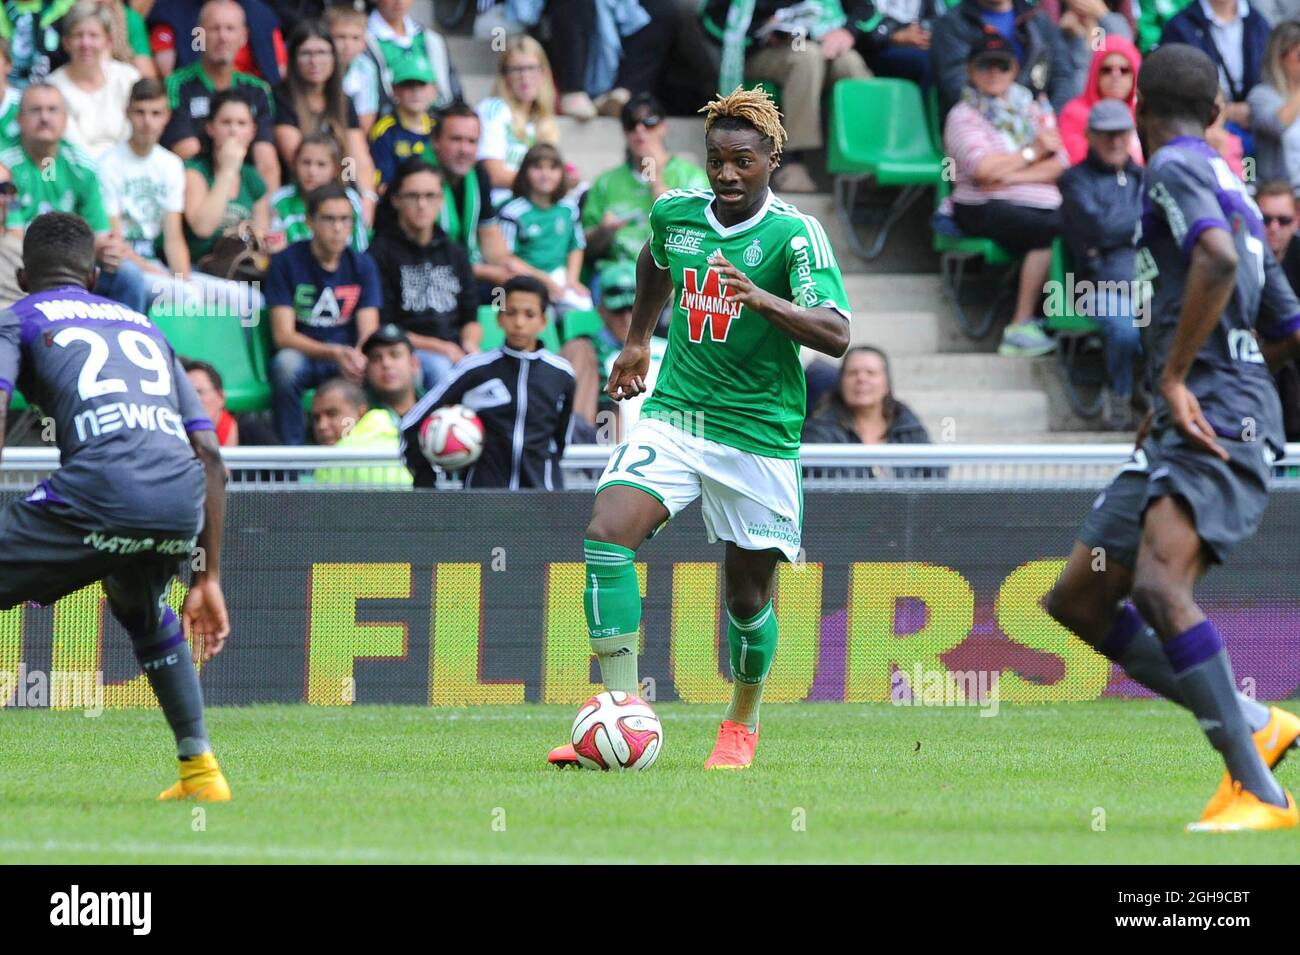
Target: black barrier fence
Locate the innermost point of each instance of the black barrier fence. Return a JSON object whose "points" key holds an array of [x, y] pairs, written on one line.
{"points": [[909, 595]]}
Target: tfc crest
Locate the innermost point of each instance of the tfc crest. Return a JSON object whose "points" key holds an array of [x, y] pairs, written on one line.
{"points": [[706, 306]]}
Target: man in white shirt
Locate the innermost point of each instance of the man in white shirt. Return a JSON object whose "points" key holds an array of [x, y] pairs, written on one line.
{"points": [[144, 187], [1233, 35]]}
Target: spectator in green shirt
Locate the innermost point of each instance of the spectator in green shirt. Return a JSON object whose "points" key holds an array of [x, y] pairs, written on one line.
{"points": [[541, 229], [616, 213], [1152, 15], [54, 176], [9, 97], [31, 27], [222, 189]]}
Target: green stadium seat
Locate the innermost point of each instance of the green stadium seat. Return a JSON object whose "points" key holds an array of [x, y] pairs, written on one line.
{"points": [[262, 346], [494, 337], [1082, 379], [223, 341], [878, 132], [773, 91], [958, 252], [585, 323], [1065, 320]]}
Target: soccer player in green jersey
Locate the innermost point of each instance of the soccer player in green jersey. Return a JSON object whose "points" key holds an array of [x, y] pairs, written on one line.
{"points": [[751, 279]]}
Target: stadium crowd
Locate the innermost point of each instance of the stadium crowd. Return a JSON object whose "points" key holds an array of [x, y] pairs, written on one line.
{"points": [[322, 161]]}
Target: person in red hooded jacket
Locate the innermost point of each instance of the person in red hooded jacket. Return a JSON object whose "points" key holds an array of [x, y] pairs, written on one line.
{"points": [[1111, 75]]}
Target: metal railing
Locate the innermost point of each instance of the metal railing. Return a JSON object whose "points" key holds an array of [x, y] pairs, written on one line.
{"points": [[826, 466]]}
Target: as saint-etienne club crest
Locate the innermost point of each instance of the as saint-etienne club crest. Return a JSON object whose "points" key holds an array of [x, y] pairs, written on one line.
{"points": [[753, 255]]}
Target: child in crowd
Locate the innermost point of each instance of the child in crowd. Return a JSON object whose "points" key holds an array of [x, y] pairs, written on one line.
{"points": [[393, 37], [347, 26], [542, 230], [519, 381], [144, 187], [408, 130], [316, 163]]}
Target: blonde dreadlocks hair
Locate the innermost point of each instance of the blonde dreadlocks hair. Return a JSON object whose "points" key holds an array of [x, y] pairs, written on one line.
{"points": [[742, 107]]}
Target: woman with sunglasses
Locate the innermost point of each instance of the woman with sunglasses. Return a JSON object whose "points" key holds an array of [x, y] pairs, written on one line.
{"points": [[616, 210], [1275, 108], [1084, 23], [1007, 157], [1111, 75]]}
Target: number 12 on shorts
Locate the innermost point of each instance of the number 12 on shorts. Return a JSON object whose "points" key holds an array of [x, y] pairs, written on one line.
{"points": [[638, 461]]}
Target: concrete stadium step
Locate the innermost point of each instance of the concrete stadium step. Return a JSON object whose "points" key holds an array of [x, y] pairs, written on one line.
{"points": [[977, 373], [472, 57], [906, 252], [422, 12], [898, 333], [476, 87], [879, 292], [910, 311], [1000, 413]]}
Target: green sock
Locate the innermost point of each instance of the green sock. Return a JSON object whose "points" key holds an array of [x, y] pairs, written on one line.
{"points": [[612, 601], [753, 644]]}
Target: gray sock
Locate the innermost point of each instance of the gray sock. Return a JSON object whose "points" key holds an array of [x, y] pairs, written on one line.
{"points": [[1145, 661], [170, 669], [1137, 649], [1205, 682]]}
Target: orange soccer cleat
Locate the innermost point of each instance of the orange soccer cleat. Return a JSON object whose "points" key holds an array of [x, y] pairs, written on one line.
{"points": [[1272, 740], [563, 756], [734, 748], [1244, 812]]}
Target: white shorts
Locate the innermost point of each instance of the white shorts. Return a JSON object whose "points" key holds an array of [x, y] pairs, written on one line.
{"points": [[756, 502]]}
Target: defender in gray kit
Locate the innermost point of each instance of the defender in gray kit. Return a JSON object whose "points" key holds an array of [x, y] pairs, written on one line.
{"points": [[1197, 485], [140, 483]]}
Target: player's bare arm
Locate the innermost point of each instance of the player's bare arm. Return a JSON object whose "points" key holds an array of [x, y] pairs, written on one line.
{"points": [[1278, 353], [653, 286], [820, 328], [1211, 280], [204, 614]]}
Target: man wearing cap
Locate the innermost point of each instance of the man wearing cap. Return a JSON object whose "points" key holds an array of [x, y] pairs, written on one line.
{"points": [[1046, 65], [391, 370], [616, 211], [324, 298], [408, 130], [1101, 204]]}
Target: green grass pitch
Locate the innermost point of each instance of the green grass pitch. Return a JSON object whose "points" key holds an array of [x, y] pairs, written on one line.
{"points": [[833, 782]]}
